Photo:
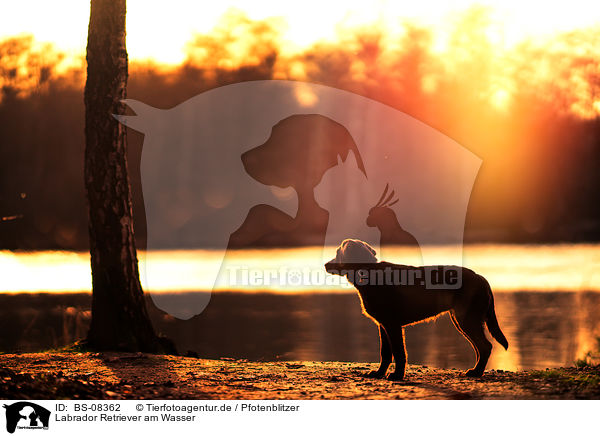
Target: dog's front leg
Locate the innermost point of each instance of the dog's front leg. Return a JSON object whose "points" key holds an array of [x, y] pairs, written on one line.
{"points": [[385, 352], [396, 336]]}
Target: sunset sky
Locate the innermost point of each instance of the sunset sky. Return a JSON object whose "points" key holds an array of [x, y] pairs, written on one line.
{"points": [[552, 45], [160, 30]]}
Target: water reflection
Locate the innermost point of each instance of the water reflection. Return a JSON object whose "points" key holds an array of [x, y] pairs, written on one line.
{"points": [[544, 329], [569, 267]]}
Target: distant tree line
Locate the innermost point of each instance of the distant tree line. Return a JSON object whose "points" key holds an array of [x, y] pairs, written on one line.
{"points": [[541, 160]]}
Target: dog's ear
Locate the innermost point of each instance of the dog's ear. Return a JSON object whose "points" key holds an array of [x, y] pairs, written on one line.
{"points": [[343, 246], [356, 251], [343, 251], [371, 249]]}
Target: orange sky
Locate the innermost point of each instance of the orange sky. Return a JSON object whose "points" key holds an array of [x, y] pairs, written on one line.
{"points": [[159, 31]]}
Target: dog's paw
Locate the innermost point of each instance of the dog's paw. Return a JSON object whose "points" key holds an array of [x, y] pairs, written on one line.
{"points": [[473, 373], [374, 374], [395, 376]]}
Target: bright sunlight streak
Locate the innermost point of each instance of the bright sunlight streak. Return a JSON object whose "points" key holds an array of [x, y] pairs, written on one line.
{"points": [[159, 31]]}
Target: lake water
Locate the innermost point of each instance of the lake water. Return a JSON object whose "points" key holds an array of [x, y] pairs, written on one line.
{"points": [[547, 302], [564, 267]]}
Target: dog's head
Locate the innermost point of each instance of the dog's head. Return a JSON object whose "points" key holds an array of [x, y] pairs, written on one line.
{"points": [[300, 149], [350, 253]]}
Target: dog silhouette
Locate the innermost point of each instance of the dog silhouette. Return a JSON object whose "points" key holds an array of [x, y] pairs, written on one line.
{"points": [[300, 149], [393, 305]]}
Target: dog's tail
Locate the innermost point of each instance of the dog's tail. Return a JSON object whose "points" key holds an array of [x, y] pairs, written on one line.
{"points": [[492, 322]]}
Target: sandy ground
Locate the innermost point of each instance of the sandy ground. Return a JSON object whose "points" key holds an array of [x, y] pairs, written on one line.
{"points": [[137, 376]]}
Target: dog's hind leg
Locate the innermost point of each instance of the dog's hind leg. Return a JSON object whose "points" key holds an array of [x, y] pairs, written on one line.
{"points": [[385, 351], [460, 330], [473, 331], [396, 336]]}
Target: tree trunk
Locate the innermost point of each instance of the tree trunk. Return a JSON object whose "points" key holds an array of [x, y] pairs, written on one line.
{"points": [[119, 317]]}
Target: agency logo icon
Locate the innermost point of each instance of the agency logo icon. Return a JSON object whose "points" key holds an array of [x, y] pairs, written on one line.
{"points": [[291, 164], [25, 415]]}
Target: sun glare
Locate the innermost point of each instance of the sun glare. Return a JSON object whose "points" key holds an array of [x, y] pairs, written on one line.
{"points": [[507, 267], [160, 31], [490, 40]]}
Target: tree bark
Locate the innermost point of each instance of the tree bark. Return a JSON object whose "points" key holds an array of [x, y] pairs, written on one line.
{"points": [[119, 317]]}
